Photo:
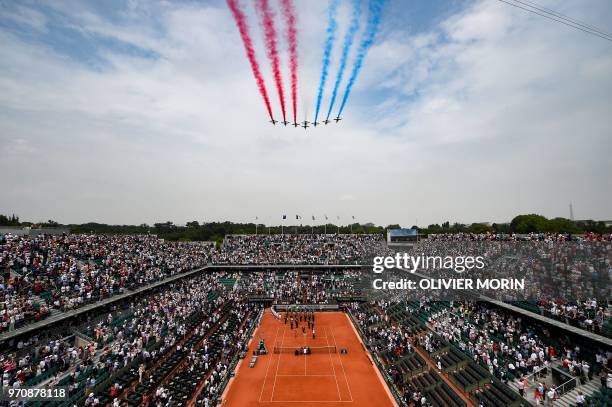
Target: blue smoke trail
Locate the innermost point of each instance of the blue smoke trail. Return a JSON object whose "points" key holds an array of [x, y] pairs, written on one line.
{"points": [[348, 42], [375, 9], [329, 42]]}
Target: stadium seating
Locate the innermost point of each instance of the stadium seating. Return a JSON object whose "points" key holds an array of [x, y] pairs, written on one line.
{"points": [[497, 395], [443, 395]]}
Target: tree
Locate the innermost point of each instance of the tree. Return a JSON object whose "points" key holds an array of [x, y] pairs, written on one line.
{"points": [[434, 228], [193, 224], [561, 225], [163, 225], [458, 227], [501, 227], [48, 224], [480, 228], [12, 220], [593, 227], [531, 223]]}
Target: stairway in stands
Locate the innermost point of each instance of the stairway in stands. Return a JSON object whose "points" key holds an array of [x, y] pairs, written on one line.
{"points": [[565, 400], [587, 389]]}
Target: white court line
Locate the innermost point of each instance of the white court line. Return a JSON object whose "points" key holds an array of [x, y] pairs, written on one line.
{"points": [[277, 365], [305, 358], [334, 369], [268, 368], [309, 401], [308, 375], [341, 364]]}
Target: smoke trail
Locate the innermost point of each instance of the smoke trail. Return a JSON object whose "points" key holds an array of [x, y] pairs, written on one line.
{"points": [[263, 7], [329, 42], [348, 42], [304, 99], [375, 9], [290, 18], [241, 22]]}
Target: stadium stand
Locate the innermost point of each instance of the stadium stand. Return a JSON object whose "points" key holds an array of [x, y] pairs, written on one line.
{"points": [[176, 333]]}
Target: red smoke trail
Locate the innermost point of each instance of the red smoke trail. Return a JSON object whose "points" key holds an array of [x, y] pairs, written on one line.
{"points": [[290, 18], [243, 27], [263, 6]]}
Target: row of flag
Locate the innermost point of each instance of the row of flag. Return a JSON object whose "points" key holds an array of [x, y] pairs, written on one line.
{"points": [[298, 217]]}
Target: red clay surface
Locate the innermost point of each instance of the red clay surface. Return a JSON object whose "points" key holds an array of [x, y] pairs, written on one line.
{"points": [[316, 380]]}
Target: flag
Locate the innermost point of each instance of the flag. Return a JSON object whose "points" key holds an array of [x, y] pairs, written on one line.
{"points": [[298, 217], [256, 217], [284, 216], [353, 217], [325, 217], [313, 218]]}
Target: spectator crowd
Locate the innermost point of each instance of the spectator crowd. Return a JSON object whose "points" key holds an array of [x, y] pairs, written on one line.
{"points": [[202, 320]]}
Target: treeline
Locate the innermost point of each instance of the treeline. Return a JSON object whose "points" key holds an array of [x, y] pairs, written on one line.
{"points": [[216, 231], [535, 223], [12, 220], [524, 224]]}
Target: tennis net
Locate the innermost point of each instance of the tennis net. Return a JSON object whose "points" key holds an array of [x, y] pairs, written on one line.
{"points": [[312, 349]]}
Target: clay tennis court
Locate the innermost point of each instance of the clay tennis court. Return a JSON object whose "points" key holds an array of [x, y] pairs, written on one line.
{"points": [[321, 379]]}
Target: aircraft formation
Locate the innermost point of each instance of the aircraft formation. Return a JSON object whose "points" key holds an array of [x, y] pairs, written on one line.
{"points": [[266, 16], [305, 123]]}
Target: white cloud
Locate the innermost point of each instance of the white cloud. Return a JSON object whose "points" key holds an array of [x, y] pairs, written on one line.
{"points": [[23, 15]]}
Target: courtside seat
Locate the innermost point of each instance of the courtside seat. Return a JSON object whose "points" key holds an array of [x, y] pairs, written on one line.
{"points": [[452, 360], [443, 395], [451, 397], [470, 377], [410, 365], [426, 381], [498, 394]]}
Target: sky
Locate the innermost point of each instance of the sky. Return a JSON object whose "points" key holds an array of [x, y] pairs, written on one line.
{"points": [[130, 112]]}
